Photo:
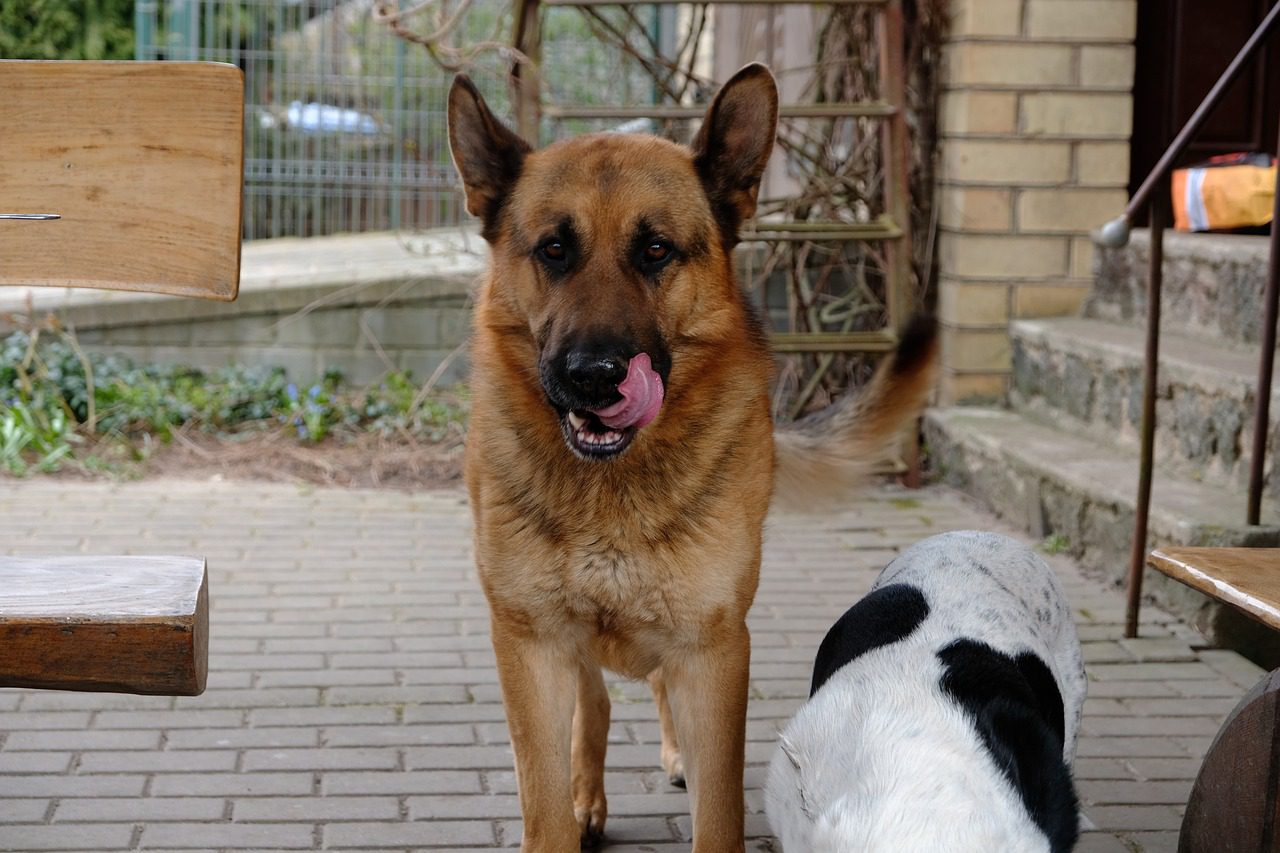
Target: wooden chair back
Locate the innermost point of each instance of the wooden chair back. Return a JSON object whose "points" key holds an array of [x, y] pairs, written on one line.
{"points": [[142, 162]]}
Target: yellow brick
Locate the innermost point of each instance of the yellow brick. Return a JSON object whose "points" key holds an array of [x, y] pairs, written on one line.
{"points": [[973, 350], [1083, 19], [972, 387], [1107, 67], [1077, 115], [1008, 162], [1068, 210], [1049, 300], [1017, 65], [986, 18], [963, 304], [975, 209], [1082, 250], [1003, 257], [979, 112], [1102, 164]]}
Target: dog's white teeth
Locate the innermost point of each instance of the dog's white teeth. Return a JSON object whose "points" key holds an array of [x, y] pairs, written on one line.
{"points": [[601, 439], [577, 421]]}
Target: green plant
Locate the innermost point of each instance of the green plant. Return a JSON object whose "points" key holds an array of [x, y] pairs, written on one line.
{"points": [[33, 431], [396, 404], [67, 29], [54, 396], [1055, 543], [312, 414]]}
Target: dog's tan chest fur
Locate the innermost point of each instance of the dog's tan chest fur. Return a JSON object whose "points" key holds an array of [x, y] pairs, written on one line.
{"points": [[628, 592]]}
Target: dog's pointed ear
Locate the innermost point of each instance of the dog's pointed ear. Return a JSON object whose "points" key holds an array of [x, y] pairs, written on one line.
{"points": [[487, 155], [733, 145]]}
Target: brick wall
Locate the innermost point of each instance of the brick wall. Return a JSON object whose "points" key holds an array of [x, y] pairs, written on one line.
{"points": [[1035, 153]]}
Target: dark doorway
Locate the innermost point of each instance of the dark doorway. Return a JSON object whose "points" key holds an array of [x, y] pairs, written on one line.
{"points": [[1182, 48]]}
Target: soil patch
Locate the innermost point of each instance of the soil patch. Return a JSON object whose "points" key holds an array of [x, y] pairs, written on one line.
{"points": [[360, 461]]}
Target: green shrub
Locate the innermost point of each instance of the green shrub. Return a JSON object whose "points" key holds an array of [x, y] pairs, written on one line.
{"points": [[54, 397]]}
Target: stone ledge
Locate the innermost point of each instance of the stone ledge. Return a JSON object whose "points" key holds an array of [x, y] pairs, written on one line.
{"points": [[285, 276], [1091, 372], [362, 304], [1213, 283]]}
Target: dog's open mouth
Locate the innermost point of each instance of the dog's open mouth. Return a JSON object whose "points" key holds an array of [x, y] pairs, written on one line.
{"points": [[589, 437]]}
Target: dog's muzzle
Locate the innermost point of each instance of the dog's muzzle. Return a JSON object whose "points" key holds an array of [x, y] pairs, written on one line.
{"points": [[604, 400]]}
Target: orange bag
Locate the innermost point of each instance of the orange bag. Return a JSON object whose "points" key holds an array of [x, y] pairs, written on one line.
{"points": [[1231, 191]]}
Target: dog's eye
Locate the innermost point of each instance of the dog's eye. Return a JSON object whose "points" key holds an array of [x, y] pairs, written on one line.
{"points": [[554, 254], [655, 255]]}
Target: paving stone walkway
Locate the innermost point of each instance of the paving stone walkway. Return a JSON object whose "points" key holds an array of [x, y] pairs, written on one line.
{"points": [[353, 702]]}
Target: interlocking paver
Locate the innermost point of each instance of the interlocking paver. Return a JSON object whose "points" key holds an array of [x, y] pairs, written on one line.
{"points": [[229, 836], [24, 811], [354, 706], [62, 837], [232, 784], [139, 809]]}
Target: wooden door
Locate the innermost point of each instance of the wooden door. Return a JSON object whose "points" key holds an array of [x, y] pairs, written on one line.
{"points": [[1182, 48]]}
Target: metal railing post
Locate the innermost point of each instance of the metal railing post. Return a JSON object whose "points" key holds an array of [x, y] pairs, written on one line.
{"points": [[1142, 512], [1266, 361]]}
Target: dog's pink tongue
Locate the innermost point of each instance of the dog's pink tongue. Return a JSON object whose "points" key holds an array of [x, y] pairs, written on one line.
{"points": [[641, 397]]}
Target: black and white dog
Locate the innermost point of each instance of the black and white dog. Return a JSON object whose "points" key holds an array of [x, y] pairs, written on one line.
{"points": [[943, 713]]}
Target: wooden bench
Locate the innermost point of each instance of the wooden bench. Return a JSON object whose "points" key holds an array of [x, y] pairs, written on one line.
{"points": [[1235, 802], [122, 624], [1246, 578], [121, 176]]}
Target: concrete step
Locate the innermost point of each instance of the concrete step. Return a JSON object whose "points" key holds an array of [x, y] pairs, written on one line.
{"points": [[1089, 373], [1213, 283], [1079, 494]]}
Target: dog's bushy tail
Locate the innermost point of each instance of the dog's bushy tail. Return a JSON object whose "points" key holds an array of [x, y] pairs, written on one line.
{"points": [[824, 457]]}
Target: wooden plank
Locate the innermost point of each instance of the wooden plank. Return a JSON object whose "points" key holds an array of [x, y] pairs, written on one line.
{"points": [[883, 228], [142, 161], [119, 624], [1246, 578], [881, 341], [1234, 803]]}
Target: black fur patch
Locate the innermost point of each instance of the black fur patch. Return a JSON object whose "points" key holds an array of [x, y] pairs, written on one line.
{"points": [[916, 345], [885, 616], [1017, 711]]}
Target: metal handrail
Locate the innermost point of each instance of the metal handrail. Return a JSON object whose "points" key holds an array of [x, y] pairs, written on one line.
{"points": [[1115, 234]]}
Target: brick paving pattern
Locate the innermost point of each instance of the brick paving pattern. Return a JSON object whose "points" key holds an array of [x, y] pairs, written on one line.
{"points": [[353, 702]]}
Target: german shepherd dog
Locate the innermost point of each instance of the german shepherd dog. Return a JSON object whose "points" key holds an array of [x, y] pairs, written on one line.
{"points": [[621, 454]]}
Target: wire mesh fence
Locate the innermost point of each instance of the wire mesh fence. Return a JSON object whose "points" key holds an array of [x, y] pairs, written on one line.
{"points": [[344, 122]]}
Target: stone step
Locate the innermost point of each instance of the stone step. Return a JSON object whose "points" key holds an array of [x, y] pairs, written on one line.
{"points": [[1213, 283], [1089, 373], [1079, 494]]}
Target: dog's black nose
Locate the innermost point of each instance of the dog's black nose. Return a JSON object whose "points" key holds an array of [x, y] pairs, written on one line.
{"points": [[595, 374]]}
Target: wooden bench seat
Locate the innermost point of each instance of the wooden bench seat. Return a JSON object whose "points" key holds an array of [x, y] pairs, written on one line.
{"points": [[1245, 578], [120, 624]]}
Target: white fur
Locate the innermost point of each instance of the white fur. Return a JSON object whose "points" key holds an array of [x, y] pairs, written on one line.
{"points": [[881, 760]]}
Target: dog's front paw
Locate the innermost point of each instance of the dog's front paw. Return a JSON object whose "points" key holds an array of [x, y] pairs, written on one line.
{"points": [[673, 763], [591, 812]]}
